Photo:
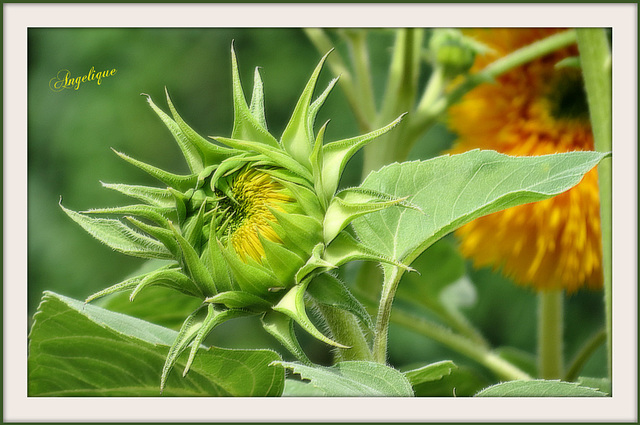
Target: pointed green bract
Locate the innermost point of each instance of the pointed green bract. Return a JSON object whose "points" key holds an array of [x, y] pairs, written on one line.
{"points": [[240, 300], [151, 195], [257, 100], [171, 279], [292, 305], [213, 319], [170, 179], [299, 132], [278, 157], [190, 152], [196, 270], [329, 290], [125, 285], [160, 216], [280, 326], [245, 125], [120, 237], [186, 334], [207, 151], [336, 155], [165, 236], [351, 204]]}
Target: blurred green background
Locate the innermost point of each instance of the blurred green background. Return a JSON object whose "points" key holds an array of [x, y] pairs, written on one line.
{"points": [[71, 132]]}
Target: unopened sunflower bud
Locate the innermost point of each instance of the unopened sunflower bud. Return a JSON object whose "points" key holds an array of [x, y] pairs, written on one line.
{"points": [[252, 225]]}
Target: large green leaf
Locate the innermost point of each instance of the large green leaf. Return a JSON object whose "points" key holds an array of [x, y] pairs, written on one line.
{"points": [[452, 190], [351, 379], [78, 349], [438, 268], [539, 388]]}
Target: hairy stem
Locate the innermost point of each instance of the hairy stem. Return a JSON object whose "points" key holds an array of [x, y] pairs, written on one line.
{"points": [[381, 335], [462, 344], [550, 334]]}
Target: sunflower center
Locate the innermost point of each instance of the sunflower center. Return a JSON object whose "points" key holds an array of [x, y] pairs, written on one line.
{"points": [[567, 96], [248, 214]]}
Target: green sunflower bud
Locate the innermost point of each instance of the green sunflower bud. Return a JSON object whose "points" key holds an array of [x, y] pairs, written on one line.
{"points": [[255, 223], [452, 51]]}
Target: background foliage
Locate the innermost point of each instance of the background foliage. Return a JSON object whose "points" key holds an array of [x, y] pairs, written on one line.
{"points": [[70, 133]]}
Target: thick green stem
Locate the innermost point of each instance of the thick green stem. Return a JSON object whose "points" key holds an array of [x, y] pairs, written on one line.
{"points": [[550, 334], [399, 97], [364, 85], [389, 287], [595, 59], [346, 330], [463, 345]]}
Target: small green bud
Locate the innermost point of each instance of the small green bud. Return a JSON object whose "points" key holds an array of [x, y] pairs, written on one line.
{"points": [[452, 51]]}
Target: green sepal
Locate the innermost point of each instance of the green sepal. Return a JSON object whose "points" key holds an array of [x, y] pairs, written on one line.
{"points": [[227, 167], [194, 267], [192, 229], [281, 260], [300, 230], [280, 326], [305, 198], [191, 153], [317, 104], [186, 334], [165, 236], [251, 277], [213, 259], [345, 248], [329, 290], [317, 161], [210, 153], [125, 285], [180, 200], [278, 157], [352, 203], [169, 278], [257, 99], [286, 175], [158, 215], [122, 238], [206, 173], [150, 195], [298, 135], [173, 180], [336, 154], [213, 319], [245, 125], [239, 299], [292, 305], [316, 262]]}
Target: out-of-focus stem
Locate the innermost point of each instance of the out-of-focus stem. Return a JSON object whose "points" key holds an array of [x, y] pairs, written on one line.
{"points": [[550, 334], [595, 59]]}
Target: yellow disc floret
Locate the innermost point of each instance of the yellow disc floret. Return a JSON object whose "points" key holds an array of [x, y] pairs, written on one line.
{"points": [[254, 193]]}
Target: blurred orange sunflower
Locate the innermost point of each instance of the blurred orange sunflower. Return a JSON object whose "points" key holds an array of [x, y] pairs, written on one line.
{"points": [[535, 109]]}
